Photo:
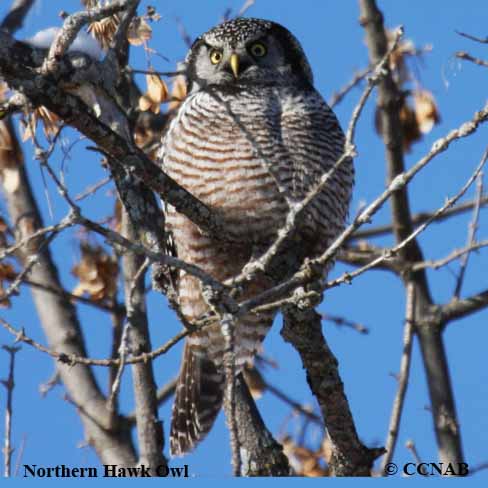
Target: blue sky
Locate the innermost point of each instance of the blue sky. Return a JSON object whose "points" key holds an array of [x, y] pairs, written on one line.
{"points": [[334, 43]]}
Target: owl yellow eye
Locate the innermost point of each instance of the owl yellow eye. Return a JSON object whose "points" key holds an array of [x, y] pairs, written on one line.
{"points": [[258, 50], [215, 57]]}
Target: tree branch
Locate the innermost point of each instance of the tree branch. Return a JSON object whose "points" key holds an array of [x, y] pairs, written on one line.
{"points": [[9, 386], [403, 376], [14, 20], [261, 455], [303, 329], [149, 427], [431, 342], [60, 323]]}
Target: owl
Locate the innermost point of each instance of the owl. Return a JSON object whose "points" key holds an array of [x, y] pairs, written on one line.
{"points": [[251, 139]]}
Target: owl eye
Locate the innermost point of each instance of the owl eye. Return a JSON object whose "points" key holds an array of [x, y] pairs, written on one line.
{"points": [[215, 56], [258, 50]]}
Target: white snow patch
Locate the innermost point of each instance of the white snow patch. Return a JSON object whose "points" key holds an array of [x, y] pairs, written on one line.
{"points": [[84, 42]]}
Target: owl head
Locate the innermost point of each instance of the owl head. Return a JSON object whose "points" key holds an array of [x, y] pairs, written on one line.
{"points": [[246, 51]]}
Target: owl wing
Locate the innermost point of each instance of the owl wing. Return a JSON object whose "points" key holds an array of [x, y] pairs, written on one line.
{"points": [[312, 142]]}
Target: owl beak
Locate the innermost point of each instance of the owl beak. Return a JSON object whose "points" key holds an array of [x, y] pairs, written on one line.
{"points": [[234, 64]]}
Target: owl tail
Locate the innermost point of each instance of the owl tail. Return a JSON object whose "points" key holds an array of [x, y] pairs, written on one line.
{"points": [[198, 399]]}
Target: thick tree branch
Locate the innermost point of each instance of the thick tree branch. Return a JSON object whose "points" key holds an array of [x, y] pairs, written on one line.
{"points": [[261, 455], [18, 66], [458, 309], [60, 323], [431, 342], [149, 427], [303, 329]]}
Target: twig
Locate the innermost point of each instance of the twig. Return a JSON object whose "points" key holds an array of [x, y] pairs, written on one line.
{"points": [[456, 254], [92, 189], [20, 454], [473, 227], [14, 20], [419, 218], [303, 276], [292, 403], [473, 38], [410, 445], [9, 386], [342, 322], [396, 414], [149, 426], [388, 253], [71, 359], [245, 7], [153, 72], [124, 350], [27, 240], [100, 305], [477, 468], [466, 56], [45, 388], [339, 95], [457, 309], [72, 25], [228, 324]]}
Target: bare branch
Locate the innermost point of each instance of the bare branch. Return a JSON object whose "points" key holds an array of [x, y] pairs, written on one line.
{"points": [[431, 342], [473, 38], [339, 95], [261, 455], [9, 386], [473, 227], [397, 410], [420, 218], [405, 266], [458, 309], [149, 426], [228, 324], [60, 324], [14, 20], [72, 26], [303, 329], [467, 57]]}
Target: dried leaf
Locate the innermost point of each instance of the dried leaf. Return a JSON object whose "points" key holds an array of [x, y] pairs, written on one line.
{"points": [[156, 88], [3, 226], [116, 220], [51, 123], [104, 30], [97, 272], [398, 57], [10, 158], [426, 111], [7, 273], [152, 14], [326, 449], [157, 93], [139, 31], [10, 179], [178, 92], [3, 91], [410, 127]]}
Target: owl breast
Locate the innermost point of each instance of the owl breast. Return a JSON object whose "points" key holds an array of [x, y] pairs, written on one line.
{"points": [[216, 149]]}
